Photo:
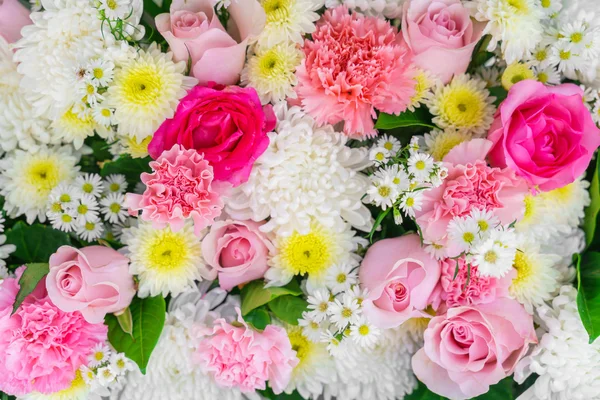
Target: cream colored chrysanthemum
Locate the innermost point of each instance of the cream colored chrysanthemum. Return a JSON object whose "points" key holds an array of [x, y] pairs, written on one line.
{"points": [[166, 262], [514, 73], [288, 21], [26, 179], [271, 72], [131, 146], [74, 128], [145, 91], [439, 143], [424, 83], [464, 104]]}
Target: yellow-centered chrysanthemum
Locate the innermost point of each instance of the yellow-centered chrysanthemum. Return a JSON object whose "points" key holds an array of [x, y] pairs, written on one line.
{"points": [[134, 148], [287, 21], [464, 104], [515, 73], [74, 128], [146, 91], [424, 83], [439, 143], [314, 358], [78, 390], [164, 261]]}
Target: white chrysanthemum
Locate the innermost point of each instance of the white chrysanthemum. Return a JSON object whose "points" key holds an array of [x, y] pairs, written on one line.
{"points": [[56, 48], [568, 202], [311, 254], [72, 127], [172, 373], [166, 262], [382, 372], [146, 91], [5, 250], [78, 390], [307, 173], [537, 280], [391, 9], [464, 104], [26, 179], [271, 72], [567, 364], [19, 127], [288, 21], [565, 245], [516, 24]]}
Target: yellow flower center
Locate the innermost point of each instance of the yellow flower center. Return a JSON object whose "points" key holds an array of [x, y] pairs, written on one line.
{"points": [[346, 312], [490, 257], [542, 77], [43, 175], [410, 202], [277, 10], [444, 142], [420, 165], [105, 112], [307, 254], [546, 3], [564, 55], [66, 218], [421, 87], [524, 268], [379, 156], [98, 73], [99, 356], [388, 146], [363, 330], [90, 226], [515, 73], [576, 37], [87, 187], [115, 207], [112, 4], [384, 191], [135, 149], [323, 307], [541, 55], [120, 364], [468, 237], [483, 225], [519, 6], [271, 64], [142, 85], [114, 187], [56, 207], [462, 107], [82, 209], [168, 251], [300, 344], [341, 278], [65, 198]]}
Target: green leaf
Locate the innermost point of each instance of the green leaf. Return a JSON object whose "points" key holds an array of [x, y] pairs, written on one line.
{"points": [[4, 396], [259, 318], [288, 308], [377, 222], [420, 117], [35, 243], [148, 318], [499, 93], [422, 393], [255, 294], [268, 393], [32, 275], [500, 391], [591, 212], [132, 168], [588, 292]]}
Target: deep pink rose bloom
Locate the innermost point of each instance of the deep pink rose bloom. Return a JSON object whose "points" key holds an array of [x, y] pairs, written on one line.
{"points": [[400, 277], [353, 66], [544, 133], [237, 356], [226, 124], [441, 36], [13, 17], [181, 187], [193, 30], [94, 280], [42, 347], [237, 250], [470, 183], [470, 348]]}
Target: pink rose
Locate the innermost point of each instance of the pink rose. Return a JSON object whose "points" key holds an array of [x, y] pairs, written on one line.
{"points": [[544, 133], [13, 17], [470, 348], [94, 280], [237, 250], [193, 30], [441, 35], [226, 124], [399, 277]]}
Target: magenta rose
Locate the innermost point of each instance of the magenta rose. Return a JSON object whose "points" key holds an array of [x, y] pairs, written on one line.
{"points": [[543, 133], [13, 17], [237, 250], [470, 348], [225, 123], [194, 32], [441, 35], [399, 277], [94, 280]]}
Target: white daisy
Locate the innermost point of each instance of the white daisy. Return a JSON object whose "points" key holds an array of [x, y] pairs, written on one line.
{"points": [[485, 220], [548, 75], [342, 276], [115, 9], [90, 230], [345, 312], [411, 202], [100, 355], [86, 210], [383, 192], [390, 143], [493, 258], [115, 183], [396, 173], [113, 208], [103, 115], [100, 71], [436, 250], [89, 184], [64, 221], [106, 375], [311, 328], [318, 303], [364, 334], [121, 364], [420, 166], [463, 233], [379, 155]]}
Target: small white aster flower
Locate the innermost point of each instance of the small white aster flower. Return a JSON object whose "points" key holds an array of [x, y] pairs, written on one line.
{"points": [[463, 233], [90, 95], [382, 192], [318, 303], [311, 328], [113, 208], [106, 375], [115, 183], [341, 277], [64, 221], [89, 184], [565, 59], [90, 230], [333, 343], [88, 375], [490, 75], [100, 355], [420, 166], [411, 202], [61, 197], [100, 71], [364, 334], [485, 220], [121, 364], [357, 293], [436, 250], [102, 115], [493, 259], [379, 155], [115, 9], [548, 75], [86, 209], [415, 145], [390, 143], [345, 312]]}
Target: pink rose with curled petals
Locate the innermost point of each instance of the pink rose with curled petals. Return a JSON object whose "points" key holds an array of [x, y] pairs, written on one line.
{"points": [[472, 347], [400, 277], [193, 30], [237, 250], [544, 133], [94, 280], [441, 36], [13, 17]]}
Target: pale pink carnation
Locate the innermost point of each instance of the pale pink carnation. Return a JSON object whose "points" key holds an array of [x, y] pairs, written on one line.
{"points": [[237, 356], [468, 288], [470, 183], [354, 65], [180, 187], [42, 347]]}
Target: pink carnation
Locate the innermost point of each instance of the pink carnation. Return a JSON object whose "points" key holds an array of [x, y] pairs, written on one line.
{"points": [[354, 65], [470, 183], [42, 347], [467, 289], [179, 188], [243, 358]]}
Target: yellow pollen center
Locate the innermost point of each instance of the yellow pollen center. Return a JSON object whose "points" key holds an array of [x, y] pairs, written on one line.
{"points": [[120, 364], [98, 73], [323, 307], [564, 55], [99, 356], [363, 330], [410, 202], [384, 191], [346, 312], [277, 10], [88, 187], [115, 207], [105, 112], [388, 146], [541, 55], [379, 156], [396, 181], [82, 209], [301, 345], [43, 175], [90, 89], [490, 257], [56, 207], [483, 225], [523, 266], [576, 37], [307, 254], [520, 6], [65, 198], [468, 237], [112, 4], [90, 226], [143, 85], [546, 3], [114, 187], [168, 251], [420, 165], [66, 218], [462, 107], [542, 77], [341, 278]]}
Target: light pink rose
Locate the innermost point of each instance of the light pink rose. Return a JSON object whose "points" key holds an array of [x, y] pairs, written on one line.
{"points": [[544, 133], [441, 35], [399, 277], [237, 250], [193, 30], [13, 17], [470, 348], [94, 280]]}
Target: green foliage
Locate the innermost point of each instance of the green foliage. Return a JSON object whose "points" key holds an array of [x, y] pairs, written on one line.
{"points": [[503, 390], [32, 275], [148, 318], [588, 292], [4, 396], [259, 318], [255, 294], [268, 393], [288, 308], [480, 54], [591, 212], [499, 93], [132, 168], [420, 117], [35, 243]]}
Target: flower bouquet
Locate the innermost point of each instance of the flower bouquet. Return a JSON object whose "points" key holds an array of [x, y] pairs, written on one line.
{"points": [[299, 199]]}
